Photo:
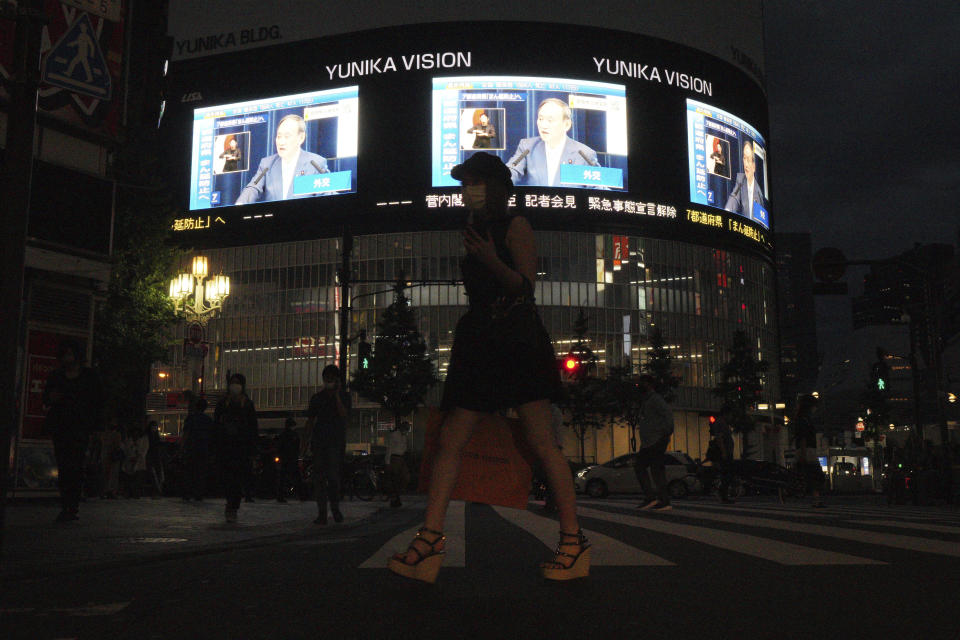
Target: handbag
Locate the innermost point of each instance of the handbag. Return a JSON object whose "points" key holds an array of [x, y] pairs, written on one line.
{"points": [[496, 467]]}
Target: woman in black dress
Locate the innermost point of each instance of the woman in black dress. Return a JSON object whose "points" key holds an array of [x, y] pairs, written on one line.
{"points": [[502, 358]]}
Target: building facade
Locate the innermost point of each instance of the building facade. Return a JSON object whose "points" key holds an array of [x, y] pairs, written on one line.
{"points": [[281, 327], [649, 238], [799, 355]]}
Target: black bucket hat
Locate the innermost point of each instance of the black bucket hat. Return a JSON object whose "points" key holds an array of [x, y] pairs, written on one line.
{"points": [[485, 165]]}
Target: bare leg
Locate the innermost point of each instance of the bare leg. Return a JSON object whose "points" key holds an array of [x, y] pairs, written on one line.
{"points": [[455, 433], [536, 419]]}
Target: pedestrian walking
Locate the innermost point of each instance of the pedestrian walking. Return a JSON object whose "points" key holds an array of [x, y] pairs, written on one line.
{"points": [[502, 358], [135, 448], [805, 440], [236, 437], [74, 396], [720, 451], [198, 433], [288, 450], [327, 429], [539, 476], [155, 458], [655, 428], [397, 472], [111, 457]]}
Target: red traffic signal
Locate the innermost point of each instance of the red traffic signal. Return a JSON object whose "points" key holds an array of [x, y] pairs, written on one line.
{"points": [[712, 419], [570, 364]]}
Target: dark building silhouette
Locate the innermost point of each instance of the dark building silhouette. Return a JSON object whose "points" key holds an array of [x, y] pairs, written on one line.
{"points": [[799, 360]]}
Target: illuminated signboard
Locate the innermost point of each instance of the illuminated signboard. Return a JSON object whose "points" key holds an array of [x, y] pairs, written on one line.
{"points": [[624, 134], [284, 148], [548, 131]]}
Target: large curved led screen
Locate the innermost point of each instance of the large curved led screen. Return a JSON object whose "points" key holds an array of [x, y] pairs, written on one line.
{"points": [[622, 133], [728, 163], [550, 132], [283, 148]]}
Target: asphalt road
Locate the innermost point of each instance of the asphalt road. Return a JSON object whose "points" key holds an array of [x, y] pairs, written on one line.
{"points": [[751, 570]]}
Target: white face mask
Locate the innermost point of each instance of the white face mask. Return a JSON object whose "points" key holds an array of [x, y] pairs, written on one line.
{"points": [[474, 196], [236, 389]]}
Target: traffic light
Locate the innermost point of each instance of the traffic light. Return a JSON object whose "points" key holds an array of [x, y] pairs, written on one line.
{"points": [[363, 351], [880, 374], [712, 419], [571, 365]]}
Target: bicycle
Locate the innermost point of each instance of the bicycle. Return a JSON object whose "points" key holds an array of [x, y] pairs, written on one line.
{"points": [[359, 480]]}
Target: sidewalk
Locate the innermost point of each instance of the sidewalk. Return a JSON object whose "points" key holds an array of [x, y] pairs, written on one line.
{"points": [[124, 532]]}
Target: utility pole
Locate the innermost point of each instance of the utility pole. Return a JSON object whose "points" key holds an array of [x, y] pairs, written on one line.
{"points": [[17, 181], [346, 248]]}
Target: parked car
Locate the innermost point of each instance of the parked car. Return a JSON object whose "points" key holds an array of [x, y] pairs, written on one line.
{"points": [[617, 475]]}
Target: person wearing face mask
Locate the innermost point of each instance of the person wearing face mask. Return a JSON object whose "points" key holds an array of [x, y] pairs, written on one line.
{"points": [[502, 358], [236, 427], [327, 429]]}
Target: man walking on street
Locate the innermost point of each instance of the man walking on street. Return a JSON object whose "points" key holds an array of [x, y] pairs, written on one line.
{"points": [[236, 420], [74, 395], [397, 471], [720, 452], [655, 429], [327, 429], [198, 431]]}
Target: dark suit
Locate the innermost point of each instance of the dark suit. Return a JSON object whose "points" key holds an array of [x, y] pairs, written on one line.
{"points": [[739, 200], [532, 168], [270, 187]]}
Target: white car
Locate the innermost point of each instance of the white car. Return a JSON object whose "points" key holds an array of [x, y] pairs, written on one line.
{"points": [[618, 476]]}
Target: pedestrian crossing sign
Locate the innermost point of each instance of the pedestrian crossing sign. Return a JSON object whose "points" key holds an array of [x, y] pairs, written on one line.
{"points": [[76, 63]]}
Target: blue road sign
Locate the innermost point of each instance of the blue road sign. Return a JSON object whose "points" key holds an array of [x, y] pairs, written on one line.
{"points": [[76, 63]]}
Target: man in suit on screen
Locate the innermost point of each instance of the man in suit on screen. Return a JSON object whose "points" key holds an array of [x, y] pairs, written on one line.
{"points": [[273, 179], [537, 160], [747, 190]]}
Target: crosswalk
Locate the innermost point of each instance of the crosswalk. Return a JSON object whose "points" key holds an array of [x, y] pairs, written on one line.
{"points": [[787, 535]]}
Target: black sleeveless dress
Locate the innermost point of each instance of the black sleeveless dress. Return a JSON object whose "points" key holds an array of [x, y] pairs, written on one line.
{"points": [[502, 356]]}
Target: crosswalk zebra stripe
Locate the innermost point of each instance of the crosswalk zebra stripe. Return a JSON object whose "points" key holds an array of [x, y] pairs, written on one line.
{"points": [[455, 530], [899, 541], [899, 511], [935, 528], [748, 509], [804, 511], [768, 549], [606, 550]]}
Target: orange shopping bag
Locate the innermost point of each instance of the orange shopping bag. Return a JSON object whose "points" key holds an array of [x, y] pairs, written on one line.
{"points": [[496, 464]]}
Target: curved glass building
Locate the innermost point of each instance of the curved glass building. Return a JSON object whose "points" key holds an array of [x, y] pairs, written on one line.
{"points": [[666, 225]]}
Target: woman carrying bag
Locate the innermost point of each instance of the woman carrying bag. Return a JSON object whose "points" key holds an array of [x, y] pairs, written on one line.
{"points": [[502, 358]]}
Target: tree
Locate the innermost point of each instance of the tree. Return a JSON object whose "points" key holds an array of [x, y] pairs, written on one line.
{"points": [[399, 372], [659, 364], [133, 322], [584, 392], [741, 383], [626, 398]]}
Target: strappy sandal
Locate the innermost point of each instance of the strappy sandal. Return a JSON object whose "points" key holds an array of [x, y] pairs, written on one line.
{"points": [[427, 565], [578, 568]]}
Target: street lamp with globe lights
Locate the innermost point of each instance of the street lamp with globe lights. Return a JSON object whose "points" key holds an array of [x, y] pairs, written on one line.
{"points": [[197, 297]]}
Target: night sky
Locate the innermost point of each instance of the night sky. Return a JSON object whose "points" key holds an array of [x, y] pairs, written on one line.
{"points": [[865, 122]]}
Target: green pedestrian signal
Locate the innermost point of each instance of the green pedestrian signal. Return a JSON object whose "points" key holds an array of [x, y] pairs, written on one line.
{"points": [[363, 351]]}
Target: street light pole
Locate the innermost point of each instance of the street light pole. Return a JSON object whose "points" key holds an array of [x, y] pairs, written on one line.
{"points": [[198, 297], [344, 277]]}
